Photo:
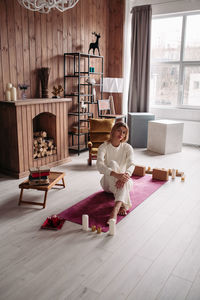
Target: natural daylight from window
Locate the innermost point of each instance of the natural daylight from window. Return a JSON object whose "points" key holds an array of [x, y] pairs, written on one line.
{"points": [[175, 61]]}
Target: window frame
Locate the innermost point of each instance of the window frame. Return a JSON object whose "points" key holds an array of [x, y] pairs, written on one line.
{"points": [[181, 63]]}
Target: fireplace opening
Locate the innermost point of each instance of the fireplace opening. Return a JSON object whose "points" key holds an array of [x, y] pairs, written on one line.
{"points": [[44, 135]]}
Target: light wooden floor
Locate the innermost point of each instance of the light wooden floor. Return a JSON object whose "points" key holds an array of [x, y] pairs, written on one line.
{"points": [[155, 254]]}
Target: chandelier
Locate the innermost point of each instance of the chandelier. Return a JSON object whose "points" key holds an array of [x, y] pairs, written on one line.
{"points": [[44, 6]]}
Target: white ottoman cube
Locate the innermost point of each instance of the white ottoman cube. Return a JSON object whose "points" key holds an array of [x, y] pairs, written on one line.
{"points": [[165, 136]]}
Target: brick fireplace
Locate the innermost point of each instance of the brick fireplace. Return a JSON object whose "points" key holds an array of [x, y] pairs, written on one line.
{"points": [[19, 120]]}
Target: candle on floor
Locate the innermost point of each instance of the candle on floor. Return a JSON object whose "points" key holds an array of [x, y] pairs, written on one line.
{"points": [[85, 222], [173, 173], [112, 226], [93, 228], [99, 229]]}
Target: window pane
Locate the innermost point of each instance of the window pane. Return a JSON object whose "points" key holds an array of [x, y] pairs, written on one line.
{"points": [[192, 39], [164, 84], [191, 86], [166, 38]]}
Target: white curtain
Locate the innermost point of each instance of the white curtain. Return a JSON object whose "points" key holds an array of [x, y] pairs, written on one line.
{"points": [[127, 54]]}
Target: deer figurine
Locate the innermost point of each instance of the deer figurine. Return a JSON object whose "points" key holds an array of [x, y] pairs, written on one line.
{"points": [[96, 44]]}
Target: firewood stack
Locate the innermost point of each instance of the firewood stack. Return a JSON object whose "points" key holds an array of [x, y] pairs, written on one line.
{"points": [[42, 145]]}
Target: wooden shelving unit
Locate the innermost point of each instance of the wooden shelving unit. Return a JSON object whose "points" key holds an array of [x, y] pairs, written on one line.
{"points": [[77, 70]]}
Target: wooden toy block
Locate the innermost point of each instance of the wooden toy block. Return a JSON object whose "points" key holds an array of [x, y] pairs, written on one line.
{"points": [[179, 174], [149, 170], [160, 174], [139, 171], [93, 228], [183, 177], [175, 173], [99, 229]]}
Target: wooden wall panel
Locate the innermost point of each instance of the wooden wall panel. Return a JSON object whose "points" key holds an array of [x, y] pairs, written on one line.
{"points": [[20, 138], [38, 52], [25, 49], [8, 137], [115, 62], [44, 58], [30, 40], [12, 45], [32, 56], [5, 75], [19, 45], [29, 137], [25, 134]]}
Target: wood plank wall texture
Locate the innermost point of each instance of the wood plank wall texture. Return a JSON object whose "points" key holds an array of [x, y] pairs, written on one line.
{"points": [[30, 40]]}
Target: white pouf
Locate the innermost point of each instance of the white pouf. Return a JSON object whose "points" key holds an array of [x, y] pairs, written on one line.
{"points": [[165, 136]]}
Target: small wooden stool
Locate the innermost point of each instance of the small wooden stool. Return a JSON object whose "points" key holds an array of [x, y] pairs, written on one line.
{"points": [[54, 177]]}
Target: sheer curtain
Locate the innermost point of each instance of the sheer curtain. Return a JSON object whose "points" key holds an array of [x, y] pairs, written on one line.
{"points": [[138, 95]]}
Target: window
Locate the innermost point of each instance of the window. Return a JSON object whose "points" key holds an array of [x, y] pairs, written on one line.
{"points": [[175, 61]]}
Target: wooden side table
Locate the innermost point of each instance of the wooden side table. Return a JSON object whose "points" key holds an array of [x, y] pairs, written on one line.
{"points": [[54, 178]]}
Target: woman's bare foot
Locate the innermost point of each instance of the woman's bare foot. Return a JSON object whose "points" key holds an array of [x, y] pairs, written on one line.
{"points": [[122, 211], [113, 215], [115, 211]]}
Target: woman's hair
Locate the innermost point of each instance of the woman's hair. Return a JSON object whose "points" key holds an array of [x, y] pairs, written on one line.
{"points": [[115, 127]]}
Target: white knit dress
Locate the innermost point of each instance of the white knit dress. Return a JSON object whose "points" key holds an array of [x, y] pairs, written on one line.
{"points": [[118, 159]]}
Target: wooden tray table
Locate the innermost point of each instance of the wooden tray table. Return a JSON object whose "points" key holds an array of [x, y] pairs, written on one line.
{"points": [[54, 178]]}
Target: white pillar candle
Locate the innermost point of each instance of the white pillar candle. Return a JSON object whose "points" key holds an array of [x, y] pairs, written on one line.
{"points": [[13, 94], [112, 226], [85, 222], [8, 86], [173, 173], [8, 95]]}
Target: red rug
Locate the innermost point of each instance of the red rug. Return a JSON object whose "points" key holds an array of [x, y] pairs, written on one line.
{"points": [[98, 206]]}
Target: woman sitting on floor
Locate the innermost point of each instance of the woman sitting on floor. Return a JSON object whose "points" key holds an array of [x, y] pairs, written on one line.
{"points": [[115, 161]]}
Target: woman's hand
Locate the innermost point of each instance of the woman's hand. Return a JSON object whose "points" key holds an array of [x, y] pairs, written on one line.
{"points": [[119, 184], [123, 177]]}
